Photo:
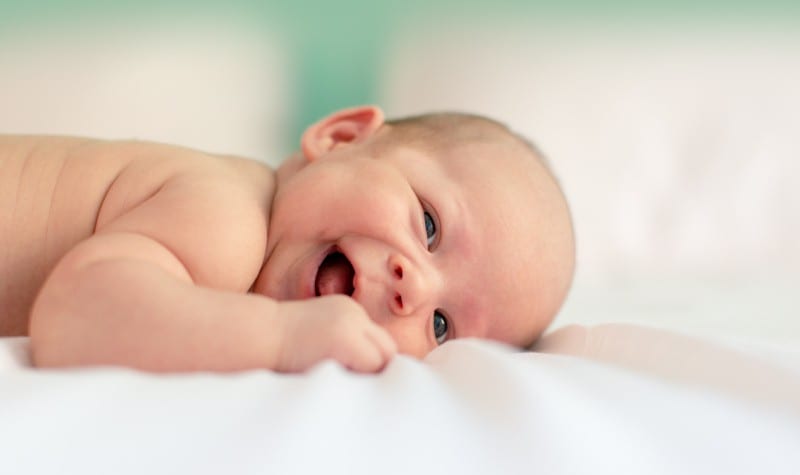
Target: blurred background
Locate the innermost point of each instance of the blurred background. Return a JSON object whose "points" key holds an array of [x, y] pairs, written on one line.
{"points": [[674, 127]]}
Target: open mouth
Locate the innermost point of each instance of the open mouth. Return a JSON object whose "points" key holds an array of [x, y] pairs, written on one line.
{"points": [[335, 275]]}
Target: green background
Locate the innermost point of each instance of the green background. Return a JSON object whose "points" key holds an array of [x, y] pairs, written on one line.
{"points": [[337, 46]]}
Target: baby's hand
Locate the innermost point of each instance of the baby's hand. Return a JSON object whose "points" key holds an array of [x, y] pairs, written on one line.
{"points": [[332, 326]]}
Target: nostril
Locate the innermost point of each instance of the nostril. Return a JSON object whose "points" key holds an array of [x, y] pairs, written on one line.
{"points": [[398, 271], [398, 299]]}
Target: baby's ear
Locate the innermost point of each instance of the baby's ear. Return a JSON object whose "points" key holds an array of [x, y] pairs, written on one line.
{"points": [[345, 127]]}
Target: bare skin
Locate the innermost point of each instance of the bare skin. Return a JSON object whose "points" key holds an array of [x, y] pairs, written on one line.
{"points": [[93, 225], [168, 259]]}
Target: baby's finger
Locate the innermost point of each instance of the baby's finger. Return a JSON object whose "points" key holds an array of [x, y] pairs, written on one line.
{"points": [[363, 356], [383, 340]]}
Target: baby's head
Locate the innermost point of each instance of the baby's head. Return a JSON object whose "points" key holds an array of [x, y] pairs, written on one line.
{"points": [[442, 226]]}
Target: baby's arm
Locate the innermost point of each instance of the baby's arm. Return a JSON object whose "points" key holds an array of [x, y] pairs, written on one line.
{"points": [[123, 299], [150, 290], [140, 309]]}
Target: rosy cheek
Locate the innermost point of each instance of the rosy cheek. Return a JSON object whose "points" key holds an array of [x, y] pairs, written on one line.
{"points": [[408, 336], [333, 200]]}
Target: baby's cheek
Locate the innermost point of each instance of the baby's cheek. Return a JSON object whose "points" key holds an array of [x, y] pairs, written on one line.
{"points": [[309, 198], [371, 212], [410, 341]]}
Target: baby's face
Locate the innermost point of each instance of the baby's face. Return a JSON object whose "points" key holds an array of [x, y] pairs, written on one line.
{"points": [[473, 243]]}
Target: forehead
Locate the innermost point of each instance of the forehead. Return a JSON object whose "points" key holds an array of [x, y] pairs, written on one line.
{"points": [[488, 171]]}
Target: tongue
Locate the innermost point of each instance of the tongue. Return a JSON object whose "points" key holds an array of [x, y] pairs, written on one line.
{"points": [[335, 276]]}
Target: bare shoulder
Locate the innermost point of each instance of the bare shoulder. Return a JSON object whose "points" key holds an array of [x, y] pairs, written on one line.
{"points": [[210, 211], [56, 192]]}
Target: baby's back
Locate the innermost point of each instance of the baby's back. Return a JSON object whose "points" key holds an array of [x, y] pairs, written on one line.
{"points": [[56, 191], [50, 192]]}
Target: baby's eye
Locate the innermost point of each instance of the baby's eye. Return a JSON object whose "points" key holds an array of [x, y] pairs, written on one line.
{"points": [[440, 327], [430, 229]]}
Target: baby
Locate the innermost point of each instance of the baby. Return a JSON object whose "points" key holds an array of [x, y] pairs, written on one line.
{"points": [[375, 237]]}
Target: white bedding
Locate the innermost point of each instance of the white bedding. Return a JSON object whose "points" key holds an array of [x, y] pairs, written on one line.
{"points": [[610, 399]]}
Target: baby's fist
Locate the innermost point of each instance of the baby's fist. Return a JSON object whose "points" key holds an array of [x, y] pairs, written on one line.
{"points": [[332, 326]]}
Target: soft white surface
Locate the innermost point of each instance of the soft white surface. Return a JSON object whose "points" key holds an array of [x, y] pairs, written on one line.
{"points": [[471, 407], [745, 307]]}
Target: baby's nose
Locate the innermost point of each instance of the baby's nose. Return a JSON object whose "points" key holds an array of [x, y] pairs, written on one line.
{"points": [[410, 289]]}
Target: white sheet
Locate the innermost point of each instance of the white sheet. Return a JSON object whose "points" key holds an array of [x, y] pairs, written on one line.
{"points": [[471, 407]]}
